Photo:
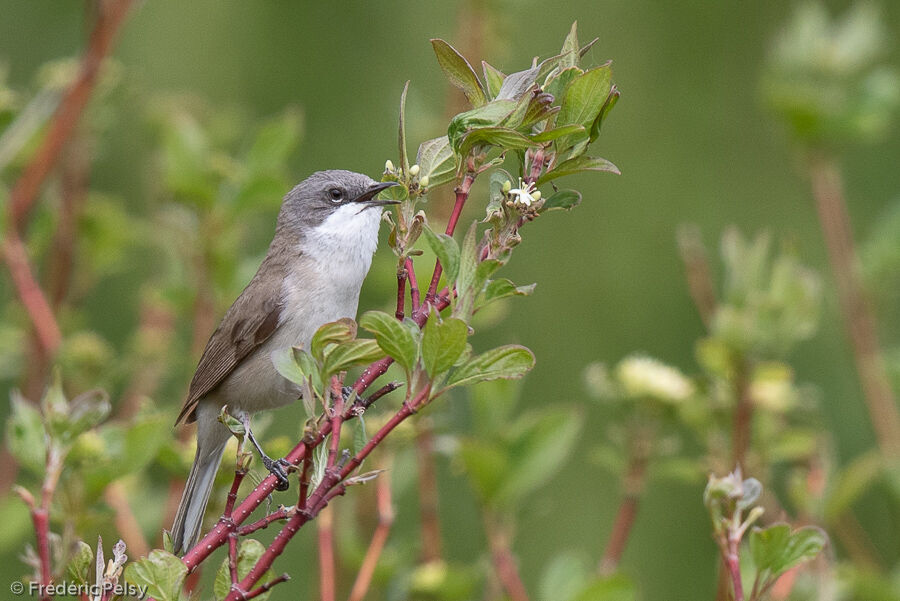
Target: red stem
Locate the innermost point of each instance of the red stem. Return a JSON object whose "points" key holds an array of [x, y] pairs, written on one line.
{"points": [[41, 520], [326, 555], [413, 284], [462, 194], [379, 539]]}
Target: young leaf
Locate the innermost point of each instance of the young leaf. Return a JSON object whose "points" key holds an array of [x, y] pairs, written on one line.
{"points": [[607, 107], [442, 343], [569, 52], [286, 364], [333, 332], [510, 361], [25, 434], [577, 165], [540, 444], [436, 161], [458, 71], [776, 549], [401, 130], [79, 568], [493, 78], [351, 353], [447, 251], [249, 552], [585, 97], [503, 288], [488, 115], [558, 132], [518, 83], [392, 336], [563, 199], [162, 573], [501, 137]]}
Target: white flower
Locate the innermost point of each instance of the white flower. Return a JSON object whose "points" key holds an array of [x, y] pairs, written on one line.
{"points": [[643, 376], [525, 194]]}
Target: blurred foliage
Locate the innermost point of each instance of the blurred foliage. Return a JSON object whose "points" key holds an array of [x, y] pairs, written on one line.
{"points": [[827, 77], [164, 246]]}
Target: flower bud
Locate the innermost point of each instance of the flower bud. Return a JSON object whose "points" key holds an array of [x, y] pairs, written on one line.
{"points": [[507, 186], [536, 195], [389, 166], [414, 170], [423, 181]]}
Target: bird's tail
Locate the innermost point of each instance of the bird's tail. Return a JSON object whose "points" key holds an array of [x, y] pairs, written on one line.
{"points": [[189, 518]]}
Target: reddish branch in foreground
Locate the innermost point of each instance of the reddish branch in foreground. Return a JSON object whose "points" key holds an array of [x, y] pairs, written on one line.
{"points": [[338, 468]]}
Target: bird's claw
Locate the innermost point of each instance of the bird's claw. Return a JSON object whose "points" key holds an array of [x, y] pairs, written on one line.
{"points": [[276, 468]]}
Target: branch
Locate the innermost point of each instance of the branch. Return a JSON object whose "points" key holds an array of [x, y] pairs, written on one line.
{"points": [[859, 319], [379, 539], [326, 555], [462, 194], [633, 487], [110, 17], [428, 495], [504, 562]]}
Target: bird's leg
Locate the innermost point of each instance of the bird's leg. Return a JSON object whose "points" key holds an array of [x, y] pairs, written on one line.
{"points": [[276, 467]]}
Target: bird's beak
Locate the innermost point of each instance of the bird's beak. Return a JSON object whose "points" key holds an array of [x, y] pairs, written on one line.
{"points": [[368, 197]]}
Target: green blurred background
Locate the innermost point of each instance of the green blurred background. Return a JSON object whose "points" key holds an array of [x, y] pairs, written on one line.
{"points": [[689, 134]]}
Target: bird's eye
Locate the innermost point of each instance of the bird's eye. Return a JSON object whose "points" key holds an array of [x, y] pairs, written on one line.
{"points": [[336, 195]]}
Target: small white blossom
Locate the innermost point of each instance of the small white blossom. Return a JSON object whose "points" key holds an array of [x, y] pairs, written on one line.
{"points": [[525, 193], [643, 376]]}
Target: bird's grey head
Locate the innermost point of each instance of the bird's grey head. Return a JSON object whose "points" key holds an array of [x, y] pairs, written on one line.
{"points": [[348, 198]]}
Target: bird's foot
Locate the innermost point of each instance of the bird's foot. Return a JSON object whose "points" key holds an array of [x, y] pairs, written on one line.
{"points": [[277, 467]]}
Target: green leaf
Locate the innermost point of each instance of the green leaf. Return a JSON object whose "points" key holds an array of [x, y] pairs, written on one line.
{"points": [[614, 588], [510, 361], [501, 137], [776, 549], [485, 464], [447, 251], [249, 552], [569, 52], [515, 85], [401, 131], [162, 573], [585, 96], [611, 101], [360, 436], [25, 434], [488, 115], [334, 332], [392, 336], [557, 83], [503, 288], [851, 482], [442, 343], [557, 132], [493, 77], [562, 199], [577, 165], [436, 161], [285, 362], [458, 71], [540, 444], [351, 353], [563, 577], [273, 142], [79, 568]]}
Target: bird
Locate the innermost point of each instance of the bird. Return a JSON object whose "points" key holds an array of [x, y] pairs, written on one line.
{"points": [[325, 237]]}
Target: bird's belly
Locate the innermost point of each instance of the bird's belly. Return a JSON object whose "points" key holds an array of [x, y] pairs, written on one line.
{"points": [[255, 384]]}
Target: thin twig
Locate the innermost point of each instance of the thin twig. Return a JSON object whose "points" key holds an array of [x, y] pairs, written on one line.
{"points": [[428, 494], [827, 188], [326, 555], [503, 560], [379, 538], [632, 489], [462, 194]]}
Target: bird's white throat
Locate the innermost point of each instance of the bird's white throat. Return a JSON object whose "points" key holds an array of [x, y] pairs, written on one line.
{"points": [[346, 240]]}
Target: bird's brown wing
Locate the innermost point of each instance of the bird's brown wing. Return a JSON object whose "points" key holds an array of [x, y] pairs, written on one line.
{"points": [[249, 322]]}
